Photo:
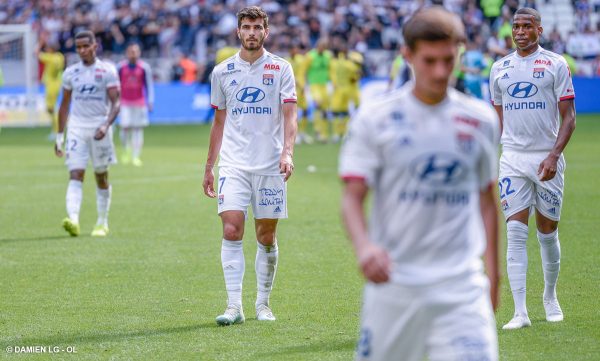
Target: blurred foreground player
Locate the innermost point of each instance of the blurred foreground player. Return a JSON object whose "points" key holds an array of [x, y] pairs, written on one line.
{"points": [[430, 157]]}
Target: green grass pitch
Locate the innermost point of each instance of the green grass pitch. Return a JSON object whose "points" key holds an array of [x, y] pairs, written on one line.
{"points": [[151, 290]]}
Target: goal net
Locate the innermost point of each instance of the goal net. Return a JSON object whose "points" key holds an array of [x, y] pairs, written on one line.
{"points": [[20, 101]]}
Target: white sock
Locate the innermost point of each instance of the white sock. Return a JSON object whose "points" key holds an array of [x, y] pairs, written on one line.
{"points": [[550, 251], [266, 267], [232, 260], [125, 138], [516, 263], [74, 196], [137, 141], [103, 205]]}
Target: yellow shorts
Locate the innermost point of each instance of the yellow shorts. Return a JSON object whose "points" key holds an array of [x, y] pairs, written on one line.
{"points": [[301, 98], [319, 94], [52, 91]]}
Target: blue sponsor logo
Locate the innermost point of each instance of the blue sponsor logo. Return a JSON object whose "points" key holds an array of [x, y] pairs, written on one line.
{"points": [[438, 169], [230, 66], [506, 63], [250, 95], [87, 89], [522, 89]]}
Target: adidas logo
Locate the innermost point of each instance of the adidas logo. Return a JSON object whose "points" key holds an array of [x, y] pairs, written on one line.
{"points": [[552, 210], [505, 76], [277, 210], [233, 82]]}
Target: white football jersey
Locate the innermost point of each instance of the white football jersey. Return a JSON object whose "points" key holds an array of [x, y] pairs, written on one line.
{"points": [[253, 94], [529, 89], [89, 98], [426, 165]]}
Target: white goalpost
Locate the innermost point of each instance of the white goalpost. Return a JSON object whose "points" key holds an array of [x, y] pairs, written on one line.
{"points": [[20, 102]]}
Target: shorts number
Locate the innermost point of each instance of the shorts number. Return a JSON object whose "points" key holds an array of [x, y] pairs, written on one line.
{"points": [[221, 182], [73, 145], [507, 182]]}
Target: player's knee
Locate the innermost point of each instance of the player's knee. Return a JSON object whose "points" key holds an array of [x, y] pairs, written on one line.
{"points": [[101, 177], [265, 234], [232, 231], [77, 174]]}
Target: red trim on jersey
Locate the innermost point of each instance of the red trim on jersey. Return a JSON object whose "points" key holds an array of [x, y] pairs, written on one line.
{"points": [[289, 100], [353, 177], [214, 106], [567, 97]]}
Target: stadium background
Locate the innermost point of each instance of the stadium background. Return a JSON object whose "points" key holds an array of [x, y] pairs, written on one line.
{"points": [[189, 33]]}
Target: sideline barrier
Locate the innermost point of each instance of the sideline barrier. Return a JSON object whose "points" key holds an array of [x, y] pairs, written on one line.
{"points": [[178, 103]]}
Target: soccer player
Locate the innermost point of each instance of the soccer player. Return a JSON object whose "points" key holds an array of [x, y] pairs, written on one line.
{"points": [[318, 63], [430, 157], [54, 63], [91, 103], [530, 89], [298, 63], [137, 100], [344, 75], [254, 131]]}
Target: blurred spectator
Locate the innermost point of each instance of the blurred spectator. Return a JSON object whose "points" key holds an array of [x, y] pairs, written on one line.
{"points": [[185, 70]]}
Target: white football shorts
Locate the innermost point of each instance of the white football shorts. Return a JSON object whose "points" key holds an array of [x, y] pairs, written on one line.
{"points": [[81, 145], [237, 189], [449, 321], [520, 187], [133, 116]]}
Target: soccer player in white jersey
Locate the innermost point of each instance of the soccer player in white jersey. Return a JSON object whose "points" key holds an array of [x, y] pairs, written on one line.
{"points": [[530, 89], [91, 100], [429, 155], [253, 93]]}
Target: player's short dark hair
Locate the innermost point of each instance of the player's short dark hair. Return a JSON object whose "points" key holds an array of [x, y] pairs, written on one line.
{"points": [[432, 24], [253, 13], [86, 34], [529, 11]]}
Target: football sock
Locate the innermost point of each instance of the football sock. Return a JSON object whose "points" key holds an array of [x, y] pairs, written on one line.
{"points": [[103, 205], [516, 263], [124, 133], [550, 251], [137, 141], [232, 260], [74, 196], [266, 267]]}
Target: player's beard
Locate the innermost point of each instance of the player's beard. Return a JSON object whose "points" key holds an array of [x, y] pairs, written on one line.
{"points": [[256, 45]]}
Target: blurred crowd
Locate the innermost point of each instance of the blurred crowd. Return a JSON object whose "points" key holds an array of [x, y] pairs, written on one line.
{"points": [[196, 29]]}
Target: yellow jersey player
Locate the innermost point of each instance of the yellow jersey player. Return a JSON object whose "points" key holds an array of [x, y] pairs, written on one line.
{"points": [[297, 59], [318, 62], [54, 63], [345, 75]]}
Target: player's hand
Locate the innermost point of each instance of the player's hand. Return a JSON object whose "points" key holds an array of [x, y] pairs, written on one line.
{"points": [[547, 169], [150, 107], [101, 131], [375, 263], [286, 165], [58, 145], [209, 182]]}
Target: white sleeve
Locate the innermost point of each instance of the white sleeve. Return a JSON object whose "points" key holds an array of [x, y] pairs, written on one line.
{"points": [[488, 163], [563, 84], [288, 85], [496, 93], [112, 79], [217, 98], [66, 80], [149, 82], [360, 157]]}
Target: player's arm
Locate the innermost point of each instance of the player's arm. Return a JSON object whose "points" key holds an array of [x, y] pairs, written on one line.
{"points": [[500, 116], [114, 98], [290, 128], [374, 261], [63, 115], [489, 214], [547, 169], [214, 146], [149, 84]]}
